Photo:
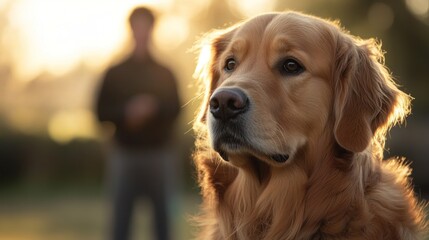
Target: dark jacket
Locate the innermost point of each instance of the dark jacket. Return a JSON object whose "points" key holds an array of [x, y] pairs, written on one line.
{"points": [[128, 79]]}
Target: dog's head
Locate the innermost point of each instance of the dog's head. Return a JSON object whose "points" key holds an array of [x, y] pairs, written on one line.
{"points": [[279, 81]]}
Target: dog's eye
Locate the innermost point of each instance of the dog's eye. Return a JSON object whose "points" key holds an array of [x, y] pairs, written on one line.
{"points": [[230, 64], [291, 66]]}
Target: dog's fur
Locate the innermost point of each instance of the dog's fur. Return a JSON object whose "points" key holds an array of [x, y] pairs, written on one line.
{"points": [[331, 120]]}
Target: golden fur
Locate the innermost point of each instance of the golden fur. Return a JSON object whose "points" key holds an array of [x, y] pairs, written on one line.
{"points": [[331, 120]]}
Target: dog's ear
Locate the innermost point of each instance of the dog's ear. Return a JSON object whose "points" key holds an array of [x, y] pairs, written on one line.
{"points": [[210, 47], [367, 101]]}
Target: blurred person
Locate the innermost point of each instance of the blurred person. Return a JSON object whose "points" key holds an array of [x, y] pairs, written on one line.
{"points": [[139, 96]]}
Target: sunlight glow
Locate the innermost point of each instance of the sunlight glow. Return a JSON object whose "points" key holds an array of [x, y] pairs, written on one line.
{"points": [[59, 35], [252, 8], [170, 32], [201, 70]]}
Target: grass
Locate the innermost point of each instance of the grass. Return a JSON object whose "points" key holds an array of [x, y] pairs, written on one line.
{"points": [[77, 214]]}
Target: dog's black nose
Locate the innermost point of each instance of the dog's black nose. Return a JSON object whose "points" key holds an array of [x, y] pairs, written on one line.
{"points": [[227, 103]]}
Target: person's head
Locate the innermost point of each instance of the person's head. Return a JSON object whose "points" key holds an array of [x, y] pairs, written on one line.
{"points": [[141, 21]]}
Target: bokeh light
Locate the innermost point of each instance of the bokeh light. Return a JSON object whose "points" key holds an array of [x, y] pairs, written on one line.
{"points": [[418, 7], [381, 16], [64, 126]]}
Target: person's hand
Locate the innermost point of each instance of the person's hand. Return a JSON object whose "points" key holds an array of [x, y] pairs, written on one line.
{"points": [[140, 109]]}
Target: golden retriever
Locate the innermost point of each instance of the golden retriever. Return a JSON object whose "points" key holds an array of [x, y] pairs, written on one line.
{"points": [[291, 132]]}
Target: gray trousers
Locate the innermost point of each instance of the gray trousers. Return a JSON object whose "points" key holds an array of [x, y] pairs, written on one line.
{"points": [[135, 174]]}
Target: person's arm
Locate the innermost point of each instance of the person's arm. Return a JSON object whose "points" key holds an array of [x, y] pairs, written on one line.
{"points": [[108, 107]]}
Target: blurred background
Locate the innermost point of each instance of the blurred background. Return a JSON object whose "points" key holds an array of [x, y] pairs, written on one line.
{"points": [[53, 55]]}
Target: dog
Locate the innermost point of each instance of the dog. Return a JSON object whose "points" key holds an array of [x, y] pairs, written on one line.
{"points": [[291, 132]]}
